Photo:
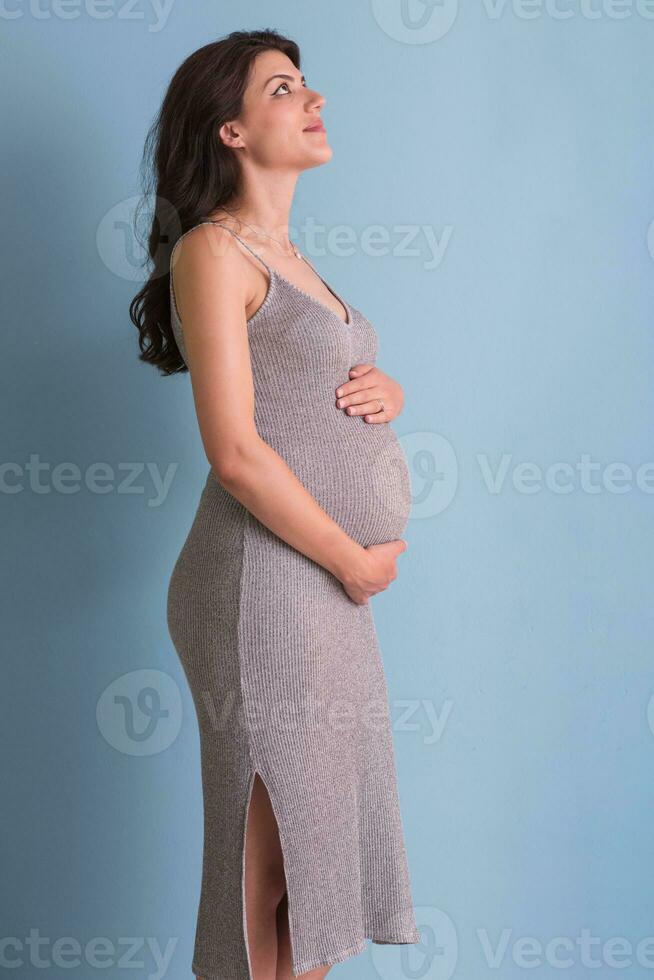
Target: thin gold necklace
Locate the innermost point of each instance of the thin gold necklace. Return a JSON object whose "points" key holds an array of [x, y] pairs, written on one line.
{"points": [[296, 252]]}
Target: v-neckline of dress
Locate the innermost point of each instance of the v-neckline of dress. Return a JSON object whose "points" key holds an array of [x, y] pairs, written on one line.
{"points": [[272, 272], [303, 292]]}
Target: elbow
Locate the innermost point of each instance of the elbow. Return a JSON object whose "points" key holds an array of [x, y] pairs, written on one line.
{"points": [[226, 471], [231, 463]]}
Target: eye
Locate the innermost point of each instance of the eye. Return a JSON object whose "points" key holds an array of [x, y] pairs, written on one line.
{"points": [[276, 92]]}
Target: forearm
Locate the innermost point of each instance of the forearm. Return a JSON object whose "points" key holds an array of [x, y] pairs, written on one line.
{"points": [[264, 483]]}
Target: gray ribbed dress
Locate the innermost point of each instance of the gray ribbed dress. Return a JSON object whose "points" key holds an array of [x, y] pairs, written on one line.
{"points": [[285, 669]]}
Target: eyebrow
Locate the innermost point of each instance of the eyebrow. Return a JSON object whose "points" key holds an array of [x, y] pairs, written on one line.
{"points": [[288, 77]]}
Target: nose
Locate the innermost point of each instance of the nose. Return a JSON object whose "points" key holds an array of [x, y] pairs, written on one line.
{"points": [[315, 99]]}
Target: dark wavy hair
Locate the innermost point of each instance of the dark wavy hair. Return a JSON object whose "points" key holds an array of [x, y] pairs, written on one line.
{"points": [[187, 171]]}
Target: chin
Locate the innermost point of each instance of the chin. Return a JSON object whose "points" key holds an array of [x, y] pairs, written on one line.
{"points": [[323, 155]]}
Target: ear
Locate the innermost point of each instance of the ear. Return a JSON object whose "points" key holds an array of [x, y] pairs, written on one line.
{"points": [[230, 136]]}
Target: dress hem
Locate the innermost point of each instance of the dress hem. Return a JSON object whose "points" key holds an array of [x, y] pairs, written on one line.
{"points": [[329, 960]]}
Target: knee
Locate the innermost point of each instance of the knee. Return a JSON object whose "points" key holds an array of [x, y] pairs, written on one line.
{"points": [[264, 895]]}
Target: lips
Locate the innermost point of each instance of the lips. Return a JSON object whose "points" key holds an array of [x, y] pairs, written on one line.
{"points": [[316, 128]]}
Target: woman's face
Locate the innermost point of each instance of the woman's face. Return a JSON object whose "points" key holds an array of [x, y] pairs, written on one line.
{"points": [[277, 109]]}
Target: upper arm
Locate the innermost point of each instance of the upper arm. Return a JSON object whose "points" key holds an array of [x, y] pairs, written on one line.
{"points": [[212, 290]]}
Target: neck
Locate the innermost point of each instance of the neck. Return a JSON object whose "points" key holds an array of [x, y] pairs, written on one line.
{"points": [[266, 206]]}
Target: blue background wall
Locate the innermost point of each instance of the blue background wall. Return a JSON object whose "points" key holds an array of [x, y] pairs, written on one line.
{"points": [[517, 639]]}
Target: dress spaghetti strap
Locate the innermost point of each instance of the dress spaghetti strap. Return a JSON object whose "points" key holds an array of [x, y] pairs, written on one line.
{"points": [[251, 250], [173, 300]]}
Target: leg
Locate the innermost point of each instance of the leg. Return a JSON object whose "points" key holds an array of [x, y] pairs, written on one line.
{"points": [[284, 949], [264, 882], [266, 901]]}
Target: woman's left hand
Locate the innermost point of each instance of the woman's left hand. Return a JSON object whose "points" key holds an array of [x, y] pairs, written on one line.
{"points": [[366, 392]]}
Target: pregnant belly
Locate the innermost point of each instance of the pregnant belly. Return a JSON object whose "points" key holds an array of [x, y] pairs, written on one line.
{"points": [[361, 479]]}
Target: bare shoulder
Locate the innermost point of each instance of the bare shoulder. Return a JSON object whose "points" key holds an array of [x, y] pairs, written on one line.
{"points": [[208, 265], [207, 246]]}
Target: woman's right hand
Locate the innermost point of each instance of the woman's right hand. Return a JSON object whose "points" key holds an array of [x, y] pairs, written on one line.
{"points": [[374, 571]]}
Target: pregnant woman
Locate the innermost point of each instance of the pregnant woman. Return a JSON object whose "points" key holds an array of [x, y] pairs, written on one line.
{"points": [[299, 523]]}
